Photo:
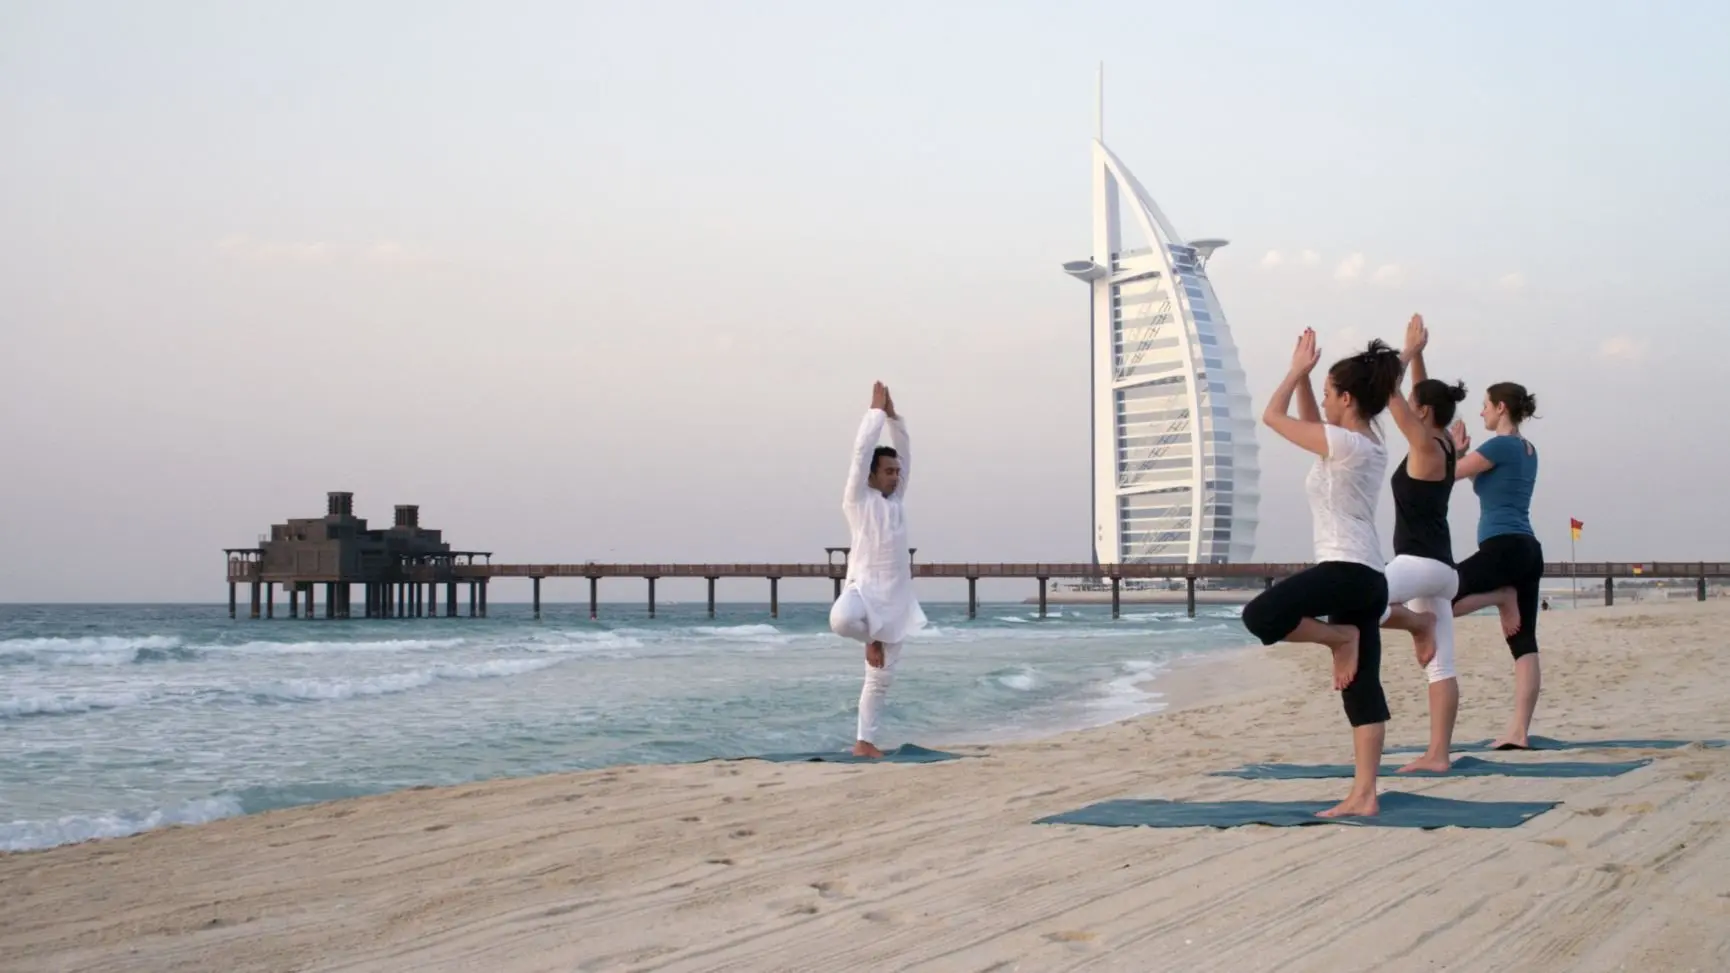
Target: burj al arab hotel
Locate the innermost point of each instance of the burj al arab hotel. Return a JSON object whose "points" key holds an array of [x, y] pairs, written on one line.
{"points": [[1175, 465]]}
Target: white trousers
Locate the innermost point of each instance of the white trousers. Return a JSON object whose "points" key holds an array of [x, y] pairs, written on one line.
{"points": [[847, 619], [1425, 585]]}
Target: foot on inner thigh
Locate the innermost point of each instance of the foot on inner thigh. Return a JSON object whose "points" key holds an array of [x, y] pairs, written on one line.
{"points": [[1424, 637], [1345, 660], [864, 749]]}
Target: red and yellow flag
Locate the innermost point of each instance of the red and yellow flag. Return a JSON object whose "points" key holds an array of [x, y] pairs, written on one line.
{"points": [[1574, 526]]}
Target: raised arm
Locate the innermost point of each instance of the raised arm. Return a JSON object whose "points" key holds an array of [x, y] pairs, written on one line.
{"points": [[1311, 434], [898, 439], [864, 445], [1417, 339], [1410, 425]]}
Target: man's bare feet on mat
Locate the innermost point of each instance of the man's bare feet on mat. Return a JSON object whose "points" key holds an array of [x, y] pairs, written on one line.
{"points": [[1440, 765], [1345, 661], [863, 749], [1424, 637], [1352, 807]]}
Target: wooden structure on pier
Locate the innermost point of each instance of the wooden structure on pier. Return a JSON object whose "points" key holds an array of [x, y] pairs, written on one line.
{"points": [[339, 551], [408, 564]]}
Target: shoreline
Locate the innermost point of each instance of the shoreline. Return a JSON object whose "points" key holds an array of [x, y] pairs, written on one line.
{"points": [[746, 865], [1165, 686]]}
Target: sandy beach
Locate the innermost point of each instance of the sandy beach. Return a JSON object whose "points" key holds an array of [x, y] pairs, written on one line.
{"points": [[747, 865]]}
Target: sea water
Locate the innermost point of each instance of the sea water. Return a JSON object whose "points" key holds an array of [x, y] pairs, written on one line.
{"points": [[116, 719]]}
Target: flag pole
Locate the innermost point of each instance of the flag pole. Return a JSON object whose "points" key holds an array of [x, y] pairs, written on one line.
{"points": [[1574, 564]]}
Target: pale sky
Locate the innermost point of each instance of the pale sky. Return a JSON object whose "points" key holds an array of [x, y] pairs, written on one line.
{"points": [[612, 281]]}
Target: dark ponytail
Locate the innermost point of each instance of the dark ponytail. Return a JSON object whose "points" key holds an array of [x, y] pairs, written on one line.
{"points": [[1440, 398], [1369, 377], [1521, 404]]}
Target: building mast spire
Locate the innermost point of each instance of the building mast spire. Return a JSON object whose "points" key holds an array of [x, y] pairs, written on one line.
{"points": [[1099, 104]]}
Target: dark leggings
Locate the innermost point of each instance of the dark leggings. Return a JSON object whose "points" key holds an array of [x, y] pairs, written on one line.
{"points": [[1346, 594], [1508, 561]]}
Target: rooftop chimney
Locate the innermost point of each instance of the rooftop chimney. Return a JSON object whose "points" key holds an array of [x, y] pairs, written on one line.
{"points": [[339, 504], [407, 515]]}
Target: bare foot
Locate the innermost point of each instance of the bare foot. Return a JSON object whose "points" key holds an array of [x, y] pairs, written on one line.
{"points": [[1424, 637], [1439, 765], [1510, 613], [1512, 743], [863, 749], [1345, 661], [874, 655], [1353, 807]]}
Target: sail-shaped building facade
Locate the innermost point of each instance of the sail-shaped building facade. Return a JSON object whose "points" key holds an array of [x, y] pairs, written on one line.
{"points": [[1175, 465]]}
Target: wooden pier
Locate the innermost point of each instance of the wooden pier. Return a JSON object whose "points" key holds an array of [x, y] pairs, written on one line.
{"points": [[402, 568]]}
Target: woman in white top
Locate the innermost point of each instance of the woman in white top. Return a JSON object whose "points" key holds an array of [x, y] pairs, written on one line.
{"points": [[1346, 586]]}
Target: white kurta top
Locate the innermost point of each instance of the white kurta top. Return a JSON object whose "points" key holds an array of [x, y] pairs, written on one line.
{"points": [[879, 565]]}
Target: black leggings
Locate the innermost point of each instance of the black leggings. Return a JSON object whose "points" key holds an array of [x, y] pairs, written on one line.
{"points": [[1508, 561], [1347, 594]]}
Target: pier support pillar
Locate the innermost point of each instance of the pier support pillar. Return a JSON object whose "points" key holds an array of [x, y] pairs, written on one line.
{"points": [[417, 594], [972, 597], [269, 600], [651, 597], [483, 597], [537, 599], [1116, 598], [711, 596], [1609, 592], [1700, 589], [774, 597], [594, 594], [1267, 583], [231, 599], [1191, 587], [401, 599], [450, 599], [330, 599], [294, 600], [311, 596], [432, 599], [255, 594], [838, 583], [1042, 597]]}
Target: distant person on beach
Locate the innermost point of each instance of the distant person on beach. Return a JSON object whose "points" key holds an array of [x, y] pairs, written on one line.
{"points": [[1346, 586], [877, 606], [1421, 577], [1509, 565]]}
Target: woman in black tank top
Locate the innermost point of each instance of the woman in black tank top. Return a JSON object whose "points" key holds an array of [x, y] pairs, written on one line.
{"points": [[1422, 580]]}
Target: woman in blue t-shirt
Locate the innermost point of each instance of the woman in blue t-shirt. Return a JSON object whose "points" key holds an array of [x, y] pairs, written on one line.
{"points": [[1509, 564]]}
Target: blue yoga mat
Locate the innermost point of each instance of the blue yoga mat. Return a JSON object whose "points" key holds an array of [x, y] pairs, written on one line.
{"points": [[1398, 810], [1463, 767], [907, 753], [1549, 743]]}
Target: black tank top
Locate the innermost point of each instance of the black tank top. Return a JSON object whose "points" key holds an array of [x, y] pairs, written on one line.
{"points": [[1421, 512]]}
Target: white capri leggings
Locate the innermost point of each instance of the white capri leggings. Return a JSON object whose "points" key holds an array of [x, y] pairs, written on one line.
{"points": [[1425, 585], [847, 619]]}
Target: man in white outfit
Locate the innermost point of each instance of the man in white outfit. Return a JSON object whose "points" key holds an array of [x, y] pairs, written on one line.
{"points": [[877, 605]]}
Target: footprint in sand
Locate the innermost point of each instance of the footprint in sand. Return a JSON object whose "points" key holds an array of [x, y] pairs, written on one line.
{"points": [[831, 888], [1076, 936], [690, 819], [807, 909], [882, 915], [717, 861], [742, 833]]}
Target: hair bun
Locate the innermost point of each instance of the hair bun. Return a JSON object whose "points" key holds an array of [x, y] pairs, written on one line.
{"points": [[1457, 391]]}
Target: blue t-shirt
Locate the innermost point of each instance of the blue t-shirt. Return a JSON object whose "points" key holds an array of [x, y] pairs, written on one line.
{"points": [[1505, 490]]}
